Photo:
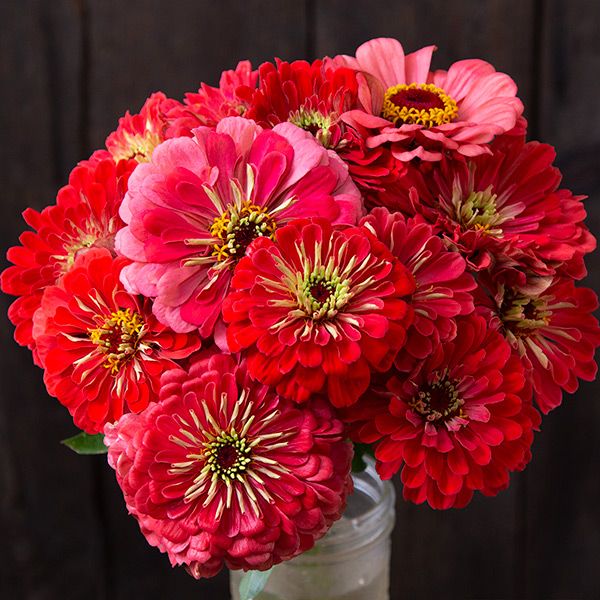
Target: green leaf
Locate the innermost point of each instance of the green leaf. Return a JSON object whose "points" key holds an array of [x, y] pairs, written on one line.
{"points": [[84, 443], [253, 583], [358, 461]]}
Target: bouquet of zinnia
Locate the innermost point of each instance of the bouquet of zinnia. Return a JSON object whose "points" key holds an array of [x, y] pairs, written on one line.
{"points": [[355, 250]]}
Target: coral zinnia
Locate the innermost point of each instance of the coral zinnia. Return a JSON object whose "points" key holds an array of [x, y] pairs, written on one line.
{"points": [[317, 309], [442, 285], [209, 104], [103, 351], [224, 471], [424, 114], [459, 422], [193, 210], [137, 135], [506, 205], [85, 216], [552, 330]]}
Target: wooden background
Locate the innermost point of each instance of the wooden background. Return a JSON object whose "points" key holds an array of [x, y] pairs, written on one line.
{"points": [[70, 68]]}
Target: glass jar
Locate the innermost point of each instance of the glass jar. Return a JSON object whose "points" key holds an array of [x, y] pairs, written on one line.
{"points": [[352, 562]]}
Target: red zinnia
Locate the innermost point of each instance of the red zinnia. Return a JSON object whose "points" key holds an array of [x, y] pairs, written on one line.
{"points": [[313, 97], [137, 135], [307, 95], [317, 309], [85, 216], [552, 330], [209, 104], [102, 349], [459, 422], [222, 471], [442, 285], [503, 207]]}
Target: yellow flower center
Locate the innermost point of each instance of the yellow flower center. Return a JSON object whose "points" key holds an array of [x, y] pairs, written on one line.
{"points": [[418, 103], [138, 146], [237, 227], [118, 338]]}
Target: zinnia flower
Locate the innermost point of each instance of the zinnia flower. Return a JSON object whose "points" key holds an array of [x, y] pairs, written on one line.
{"points": [[222, 471], [209, 104], [137, 135], [307, 95], [313, 96], [503, 207], [317, 309], [85, 216], [425, 114], [193, 210], [461, 421], [442, 284], [552, 330], [102, 349]]}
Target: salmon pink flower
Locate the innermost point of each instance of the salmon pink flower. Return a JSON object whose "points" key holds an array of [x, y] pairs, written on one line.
{"points": [[442, 285], [137, 135], [317, 309], [85, 216], [195, 207], [461, 421], [552, 330], [102, 349], [425, 114], [222, 471]]}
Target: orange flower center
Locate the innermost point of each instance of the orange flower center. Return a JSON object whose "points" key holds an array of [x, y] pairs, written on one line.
{"points": [[118, 338], [418, 103]]}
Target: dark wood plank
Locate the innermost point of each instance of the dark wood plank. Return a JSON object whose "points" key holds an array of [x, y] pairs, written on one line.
{"points": [[470, 553], [563, 537], [51, 539], [137, 48]]}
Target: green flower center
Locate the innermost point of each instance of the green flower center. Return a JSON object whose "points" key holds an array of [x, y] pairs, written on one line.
{"points": [[478, 211], [322, 294], [523, 315], [228, 455]]}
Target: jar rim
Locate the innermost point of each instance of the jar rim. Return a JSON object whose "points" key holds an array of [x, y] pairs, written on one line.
{"points": [[375, 522]]}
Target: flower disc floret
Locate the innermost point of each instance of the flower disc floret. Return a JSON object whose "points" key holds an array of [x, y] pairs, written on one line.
{"points": [[418, 103]]}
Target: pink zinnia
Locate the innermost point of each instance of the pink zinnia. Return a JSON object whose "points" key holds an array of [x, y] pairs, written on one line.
{"points": [[425, 114], [222, 471], [442, 284], [318, 309], [193, 210]]}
